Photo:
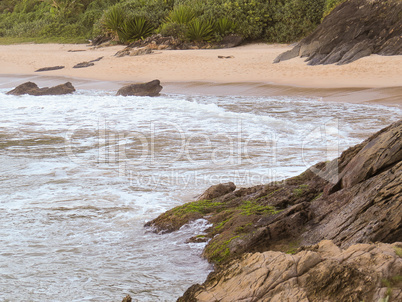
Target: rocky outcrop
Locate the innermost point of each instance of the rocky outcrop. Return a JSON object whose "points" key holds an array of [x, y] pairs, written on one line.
{"points": [[33, 89], [323, 272], [159, 42], [353, 199], [152, 88], [354, 29]]}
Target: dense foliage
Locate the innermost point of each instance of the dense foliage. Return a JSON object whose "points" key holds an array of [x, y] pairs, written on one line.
{"points": [[127, 20]]}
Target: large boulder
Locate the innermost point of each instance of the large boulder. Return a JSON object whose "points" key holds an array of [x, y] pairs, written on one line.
{"points": [[324, 272], [145, 89], [217, 191], [33, 89], [354, 29]]}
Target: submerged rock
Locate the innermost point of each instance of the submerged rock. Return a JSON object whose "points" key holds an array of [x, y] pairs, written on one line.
{"points": [[323, 272], [33, 89], [354, 29], [145, 89]]}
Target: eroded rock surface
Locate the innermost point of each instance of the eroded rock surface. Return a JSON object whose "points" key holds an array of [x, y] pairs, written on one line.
{"points": [[354, 29], [33, 89], [324, 272], [356, 198], [152, 88], [217, 191]]}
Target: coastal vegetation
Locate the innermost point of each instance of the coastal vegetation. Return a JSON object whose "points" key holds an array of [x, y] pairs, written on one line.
{"points": [[190, 20]]}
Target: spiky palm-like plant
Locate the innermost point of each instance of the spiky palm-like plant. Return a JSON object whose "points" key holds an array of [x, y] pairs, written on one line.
{"points": [[200, 30], [134, 29]]}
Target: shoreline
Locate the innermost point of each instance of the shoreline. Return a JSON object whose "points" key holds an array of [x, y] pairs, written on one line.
{"points": [[388, 96], [374, 79]]}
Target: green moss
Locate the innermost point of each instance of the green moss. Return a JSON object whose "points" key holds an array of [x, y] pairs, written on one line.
{"points": [[300, 190], [398, 251], [220, 225], [202, 206], [318, 196], [253, 208], [268, 195], [242, 228], [219, 251], [292, 248]]}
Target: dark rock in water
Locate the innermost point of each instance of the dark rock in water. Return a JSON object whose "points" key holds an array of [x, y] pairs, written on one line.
{"points": [[127, 299], [33, 89], [83, 65], [145, 89], [354, 29], [217, 191], [49, 68]]}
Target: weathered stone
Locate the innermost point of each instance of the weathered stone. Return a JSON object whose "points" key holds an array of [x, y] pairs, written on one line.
{"points": [[33, 89], [230, 41], [127, 299], [354, 29], [49, 68], [318, 273], [141, 51], [145, 89], [353, 199], [287, 55], [83, 65], [217, 191]]}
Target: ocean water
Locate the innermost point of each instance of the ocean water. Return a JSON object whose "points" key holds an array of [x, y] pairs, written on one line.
{"points": [[81, 174]]}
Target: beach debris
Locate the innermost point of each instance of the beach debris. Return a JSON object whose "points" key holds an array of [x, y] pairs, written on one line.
{"points": [[100, 40], [225, 57], [159, 42], [96, 60], [87, 64], [76, 50], [128, 51], [144, 89], [218, 190], [83, 65], [33, 89], [49, 68], [353, 30]]}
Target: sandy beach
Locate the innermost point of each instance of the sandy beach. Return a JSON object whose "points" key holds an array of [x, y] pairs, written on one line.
{"points": [[250, 71]]}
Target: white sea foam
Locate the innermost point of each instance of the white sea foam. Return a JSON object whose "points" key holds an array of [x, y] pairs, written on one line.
{"points": [[80, 174]]}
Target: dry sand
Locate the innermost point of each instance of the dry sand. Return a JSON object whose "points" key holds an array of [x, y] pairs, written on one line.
{"points": [[249, 72]]}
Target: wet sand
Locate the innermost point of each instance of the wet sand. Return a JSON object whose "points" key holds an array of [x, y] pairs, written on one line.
{"points": [[250, 72]]}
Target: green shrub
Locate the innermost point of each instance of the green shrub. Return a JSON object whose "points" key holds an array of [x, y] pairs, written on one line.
{"points": [[173, 29], [134, 29], [113, 20], [330, 5], [225, 26], [181, 15], [200, 30]]}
